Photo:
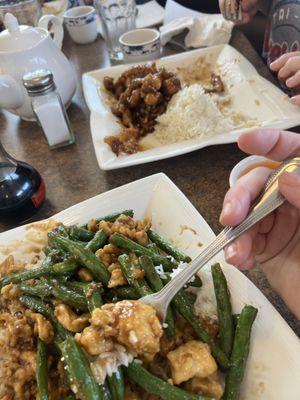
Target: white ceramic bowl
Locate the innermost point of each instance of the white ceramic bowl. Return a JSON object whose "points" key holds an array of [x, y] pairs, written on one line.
{"points": [[81, 24], [246, 163], [140, 45]]}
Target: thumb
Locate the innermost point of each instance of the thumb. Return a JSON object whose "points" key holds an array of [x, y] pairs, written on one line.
{"points": [[289, 186]]}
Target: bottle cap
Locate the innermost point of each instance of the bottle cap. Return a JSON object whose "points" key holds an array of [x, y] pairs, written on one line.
{"points": [[39, 82]]}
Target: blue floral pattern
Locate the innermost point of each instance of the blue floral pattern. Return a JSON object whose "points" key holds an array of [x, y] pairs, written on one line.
{"points": [[141, 49]]}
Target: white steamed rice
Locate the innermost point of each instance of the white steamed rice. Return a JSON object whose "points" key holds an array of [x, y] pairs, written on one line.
{"points": [[191, 114]]}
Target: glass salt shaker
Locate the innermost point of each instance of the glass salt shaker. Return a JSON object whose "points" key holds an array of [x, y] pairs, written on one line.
{"points": [[48, 108]]}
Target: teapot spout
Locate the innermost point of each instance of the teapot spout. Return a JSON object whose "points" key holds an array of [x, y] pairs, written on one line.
{"points": [[11, 95]]}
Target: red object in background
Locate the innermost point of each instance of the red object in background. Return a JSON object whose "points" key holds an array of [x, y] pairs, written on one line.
{"points": [[22, 190]]}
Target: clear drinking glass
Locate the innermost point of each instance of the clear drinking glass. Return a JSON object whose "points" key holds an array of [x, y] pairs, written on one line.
{"points": [[27, 12], [117, 17]]}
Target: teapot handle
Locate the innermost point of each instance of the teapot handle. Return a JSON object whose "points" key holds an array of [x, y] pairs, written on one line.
{"points": [[56, 28]]}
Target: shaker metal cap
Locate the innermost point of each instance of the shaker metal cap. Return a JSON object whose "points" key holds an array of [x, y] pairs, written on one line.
{"points": [[39, 82]]}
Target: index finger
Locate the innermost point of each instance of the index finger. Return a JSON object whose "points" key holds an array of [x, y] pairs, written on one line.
{"points": [[279, 63], [271, 143], [239, 197]]}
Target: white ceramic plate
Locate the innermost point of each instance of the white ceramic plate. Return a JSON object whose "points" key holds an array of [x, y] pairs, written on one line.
{"points": [[251, 94], [274, 361]]}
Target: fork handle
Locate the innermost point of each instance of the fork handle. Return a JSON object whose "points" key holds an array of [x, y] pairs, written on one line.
{"points": [[268, 202]]}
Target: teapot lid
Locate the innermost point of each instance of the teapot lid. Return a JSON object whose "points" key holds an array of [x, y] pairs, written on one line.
{"points": [[18, 37]]}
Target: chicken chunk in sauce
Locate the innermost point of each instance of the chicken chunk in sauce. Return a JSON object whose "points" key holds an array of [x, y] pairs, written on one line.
{"points": [[130, 323], [209, 386], [192, 359], [69, 319]]}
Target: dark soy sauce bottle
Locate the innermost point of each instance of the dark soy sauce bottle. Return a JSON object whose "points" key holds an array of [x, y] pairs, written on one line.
{"points": [[22, 190]]}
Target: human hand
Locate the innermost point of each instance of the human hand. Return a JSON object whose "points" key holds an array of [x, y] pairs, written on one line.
{"points": [[275, 241], [249, 9], [288, 68]]}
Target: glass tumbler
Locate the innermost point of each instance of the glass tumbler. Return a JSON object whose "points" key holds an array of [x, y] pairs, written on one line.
{"points": [[27, 12], [117, 17]]}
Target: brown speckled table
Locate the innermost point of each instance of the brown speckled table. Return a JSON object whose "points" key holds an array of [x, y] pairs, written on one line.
{"points": [[72, 174]]}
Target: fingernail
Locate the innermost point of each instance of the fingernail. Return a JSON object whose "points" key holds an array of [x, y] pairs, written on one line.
{"points": [[289, 82], [230, 251], [227, 209], [273, 64], [295, 99]]}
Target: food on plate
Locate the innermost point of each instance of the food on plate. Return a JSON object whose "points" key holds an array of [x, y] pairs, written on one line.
{"points": [[67, 332], [191, 113], [193, 102], [217, 85], [141, 94]]}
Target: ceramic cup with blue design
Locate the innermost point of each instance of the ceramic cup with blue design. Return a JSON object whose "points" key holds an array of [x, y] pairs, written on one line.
{"points": [[81, 24], [140, 45]]}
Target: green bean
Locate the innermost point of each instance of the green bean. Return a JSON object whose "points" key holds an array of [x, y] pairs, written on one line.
{"points": [[93, 296], [191, 297], [129, 245], [226, 326], [196, 282], [77, 233], [235, 319], [42, 370], [61, 268], [70, 397], [98, 241], [153, 247], [182, 303], [79, 370], [86, 257], [112, 217], [58, 289], [105, 391], [128, 269], [53, 255], [69, 297], [47, 250], [49, 259], [37, 305], [151, 384], [125, 293], [239, 353], [116, 385], [156, 285], [41, 289], [167, 247], [74, 285], [62, 230]]}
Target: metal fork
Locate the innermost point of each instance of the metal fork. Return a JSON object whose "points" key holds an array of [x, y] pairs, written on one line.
{"points": [[269, 200], [233, 10]]}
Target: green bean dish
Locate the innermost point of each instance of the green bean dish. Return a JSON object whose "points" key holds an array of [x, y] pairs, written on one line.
{"points": [[72, 326]]}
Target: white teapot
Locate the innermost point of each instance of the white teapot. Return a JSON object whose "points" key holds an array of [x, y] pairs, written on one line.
{"points": [[25, 49]]}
